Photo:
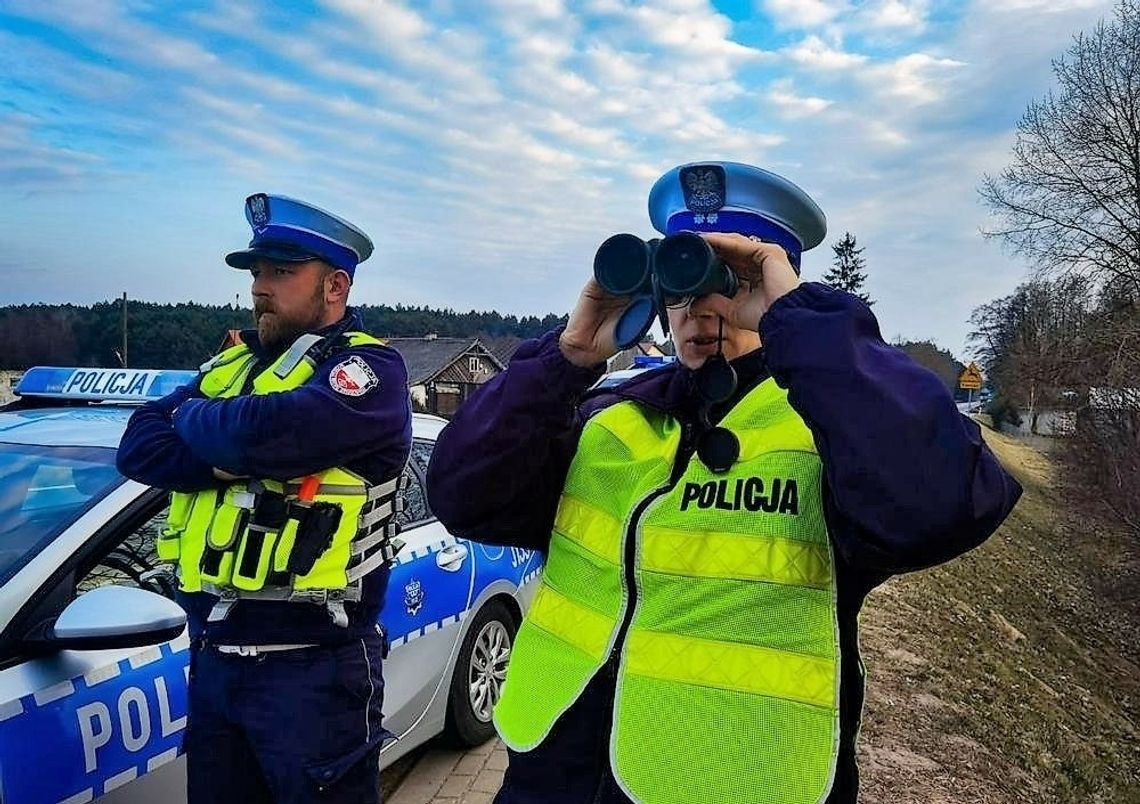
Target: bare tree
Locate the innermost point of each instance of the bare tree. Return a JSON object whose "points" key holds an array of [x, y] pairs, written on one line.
{"points": [[1031, 342], [1070, 200], [1105, 449]]}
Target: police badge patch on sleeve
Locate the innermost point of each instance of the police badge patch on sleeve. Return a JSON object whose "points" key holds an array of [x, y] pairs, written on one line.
{"points": [[353, 377]]}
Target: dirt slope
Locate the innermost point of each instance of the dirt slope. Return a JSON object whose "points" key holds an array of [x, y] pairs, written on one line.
{"points": [[1013, 673]]}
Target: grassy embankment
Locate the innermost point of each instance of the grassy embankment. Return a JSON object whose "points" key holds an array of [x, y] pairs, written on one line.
{"points": [[1013, 673]]}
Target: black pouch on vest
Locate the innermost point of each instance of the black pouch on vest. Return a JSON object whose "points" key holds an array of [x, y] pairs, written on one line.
{"points": [[212, 557], [271, 510], [316, 527], [254, 553]]}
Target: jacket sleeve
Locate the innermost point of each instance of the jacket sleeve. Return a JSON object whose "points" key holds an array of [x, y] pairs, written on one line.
{"points": [[293, 433], [910, 481], [152, 453], [498, 468]]}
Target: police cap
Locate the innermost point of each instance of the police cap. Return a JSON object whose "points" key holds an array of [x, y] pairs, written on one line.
{"points": [[288, 230], [733, 197]]}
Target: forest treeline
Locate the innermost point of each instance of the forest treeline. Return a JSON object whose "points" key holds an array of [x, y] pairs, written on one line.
{"points": [[185, 335]]}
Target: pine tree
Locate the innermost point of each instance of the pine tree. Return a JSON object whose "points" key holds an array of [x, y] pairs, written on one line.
{"points": [[850, 271]]}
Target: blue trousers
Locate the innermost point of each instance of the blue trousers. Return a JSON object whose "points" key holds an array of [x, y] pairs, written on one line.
{"points": [[290, 727]]}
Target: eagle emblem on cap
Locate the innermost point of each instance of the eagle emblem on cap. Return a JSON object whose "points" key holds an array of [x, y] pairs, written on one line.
{"points": [[259, 210], [704, 188]]}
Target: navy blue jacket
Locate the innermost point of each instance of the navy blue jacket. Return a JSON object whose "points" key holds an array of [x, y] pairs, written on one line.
{"points": [[175, 443], [908, 483]]}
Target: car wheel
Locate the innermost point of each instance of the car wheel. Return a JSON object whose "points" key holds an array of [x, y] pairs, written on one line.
{"points": [[480, 669]]}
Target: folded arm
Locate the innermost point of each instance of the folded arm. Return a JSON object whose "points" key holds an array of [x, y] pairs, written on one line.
{"points": [[305, 430], [152, 453]]}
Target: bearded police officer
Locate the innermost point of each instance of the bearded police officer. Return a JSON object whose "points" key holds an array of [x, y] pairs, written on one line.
{"points": [[284, 459], [711, 528]]}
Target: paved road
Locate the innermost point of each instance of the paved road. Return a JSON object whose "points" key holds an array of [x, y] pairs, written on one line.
{"points": [[445, 776]]}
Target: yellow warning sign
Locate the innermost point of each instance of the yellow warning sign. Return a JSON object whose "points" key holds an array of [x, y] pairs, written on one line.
{"points": [[971, 378]]}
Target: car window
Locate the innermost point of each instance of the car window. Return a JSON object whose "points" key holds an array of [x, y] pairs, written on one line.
{"points": [[134, 562], [42, 491], [415, 502], [421, 454]]}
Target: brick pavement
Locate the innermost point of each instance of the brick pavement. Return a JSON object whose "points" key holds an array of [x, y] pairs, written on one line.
{"points": [[447, 776]]}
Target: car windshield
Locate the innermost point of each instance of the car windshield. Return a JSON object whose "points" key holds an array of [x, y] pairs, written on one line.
{"points": [[42, 491]]}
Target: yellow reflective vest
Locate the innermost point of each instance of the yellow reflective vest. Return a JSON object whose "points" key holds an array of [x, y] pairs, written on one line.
{"points": [[264, 539], [715, 594]]}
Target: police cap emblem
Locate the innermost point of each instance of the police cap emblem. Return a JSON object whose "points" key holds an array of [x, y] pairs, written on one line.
{"points": [[704, 189], [258, 209]]}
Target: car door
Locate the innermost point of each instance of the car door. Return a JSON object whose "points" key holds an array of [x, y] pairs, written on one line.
{"points": [[97, 724], [428, 595]]}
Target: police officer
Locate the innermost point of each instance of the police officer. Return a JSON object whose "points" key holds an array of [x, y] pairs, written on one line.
{"points": [[284, 460], [694, 636]]}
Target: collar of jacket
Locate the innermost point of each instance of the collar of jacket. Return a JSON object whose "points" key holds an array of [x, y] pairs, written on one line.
{"points": [[250, 339]]}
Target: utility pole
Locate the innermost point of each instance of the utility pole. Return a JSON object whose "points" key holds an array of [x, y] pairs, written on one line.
{"points": [[124, 328]]}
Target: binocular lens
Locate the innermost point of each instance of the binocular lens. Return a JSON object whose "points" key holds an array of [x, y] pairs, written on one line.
{"points": [[684, 262], [621, 264]]}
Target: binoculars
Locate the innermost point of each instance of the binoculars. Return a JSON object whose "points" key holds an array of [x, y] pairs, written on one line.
{"points": [[658, 274]]}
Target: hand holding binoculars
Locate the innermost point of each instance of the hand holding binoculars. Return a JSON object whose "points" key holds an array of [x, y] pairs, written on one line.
{"points": [[656, 275]]}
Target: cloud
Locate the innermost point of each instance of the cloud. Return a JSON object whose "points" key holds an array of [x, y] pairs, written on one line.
{"points": [[783, 96], [815, 54], [895, 14], [803, 13], [1042, 6], [918, 77]]}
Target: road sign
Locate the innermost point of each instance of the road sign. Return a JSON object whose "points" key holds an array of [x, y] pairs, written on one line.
{"points": [[971, 378]]}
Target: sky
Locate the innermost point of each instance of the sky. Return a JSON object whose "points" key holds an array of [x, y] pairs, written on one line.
{"points": [[489, 147]]}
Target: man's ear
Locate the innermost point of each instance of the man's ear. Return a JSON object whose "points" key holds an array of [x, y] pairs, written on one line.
{"points": [[337, 285]]}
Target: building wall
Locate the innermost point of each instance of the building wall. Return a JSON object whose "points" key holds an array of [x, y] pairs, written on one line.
{"points": [[8, 381], [419, 397], [1049, 423], [472, 366]]}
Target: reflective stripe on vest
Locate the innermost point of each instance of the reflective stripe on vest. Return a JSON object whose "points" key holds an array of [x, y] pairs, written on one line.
{"points": [[728, 680], [209, 532]]}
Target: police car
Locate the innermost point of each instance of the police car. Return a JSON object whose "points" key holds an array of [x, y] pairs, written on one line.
{"points": [[641, 364], [94, 654]]}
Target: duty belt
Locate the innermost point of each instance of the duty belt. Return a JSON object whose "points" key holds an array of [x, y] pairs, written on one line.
{"points": [[256, 650]]}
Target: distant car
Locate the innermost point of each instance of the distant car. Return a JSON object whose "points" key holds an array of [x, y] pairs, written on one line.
{"points": [[93, 654], [641, 364]]}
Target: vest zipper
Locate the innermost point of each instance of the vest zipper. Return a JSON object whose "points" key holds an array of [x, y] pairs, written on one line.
{"points": [[252, 373], [238, 375], [610, 668]]}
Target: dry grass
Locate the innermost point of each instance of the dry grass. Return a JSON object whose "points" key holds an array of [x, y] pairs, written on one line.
{"points": [[1013, 673]]}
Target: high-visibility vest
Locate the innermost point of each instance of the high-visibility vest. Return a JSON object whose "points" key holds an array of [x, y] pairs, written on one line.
{"points": [[728, 660], [219, 536]]}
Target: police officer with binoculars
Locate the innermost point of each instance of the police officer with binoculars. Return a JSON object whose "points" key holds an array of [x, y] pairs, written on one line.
{"points": [[713, 527]]}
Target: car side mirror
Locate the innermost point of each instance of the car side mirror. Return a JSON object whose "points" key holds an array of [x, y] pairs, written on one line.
{"points": [[111, 617]]}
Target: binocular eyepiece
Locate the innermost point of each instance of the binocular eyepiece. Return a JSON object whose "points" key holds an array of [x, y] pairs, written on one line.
{"points": [[661, 273]]}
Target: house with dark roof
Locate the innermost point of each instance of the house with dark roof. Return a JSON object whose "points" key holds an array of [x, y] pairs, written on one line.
{"points": [[443, 372]]}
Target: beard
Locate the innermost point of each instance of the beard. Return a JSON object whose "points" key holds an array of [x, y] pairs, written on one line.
{"points": [[276, 328]]}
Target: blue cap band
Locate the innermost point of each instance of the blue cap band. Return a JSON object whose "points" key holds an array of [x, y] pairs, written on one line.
{"points": [[334, 254], [745, 223]]}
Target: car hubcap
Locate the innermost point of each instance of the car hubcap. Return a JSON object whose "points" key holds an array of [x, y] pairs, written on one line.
{"points": [[488, 669]]}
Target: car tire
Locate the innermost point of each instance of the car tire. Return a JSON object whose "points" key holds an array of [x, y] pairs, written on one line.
{"points": [[476, 682]]}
